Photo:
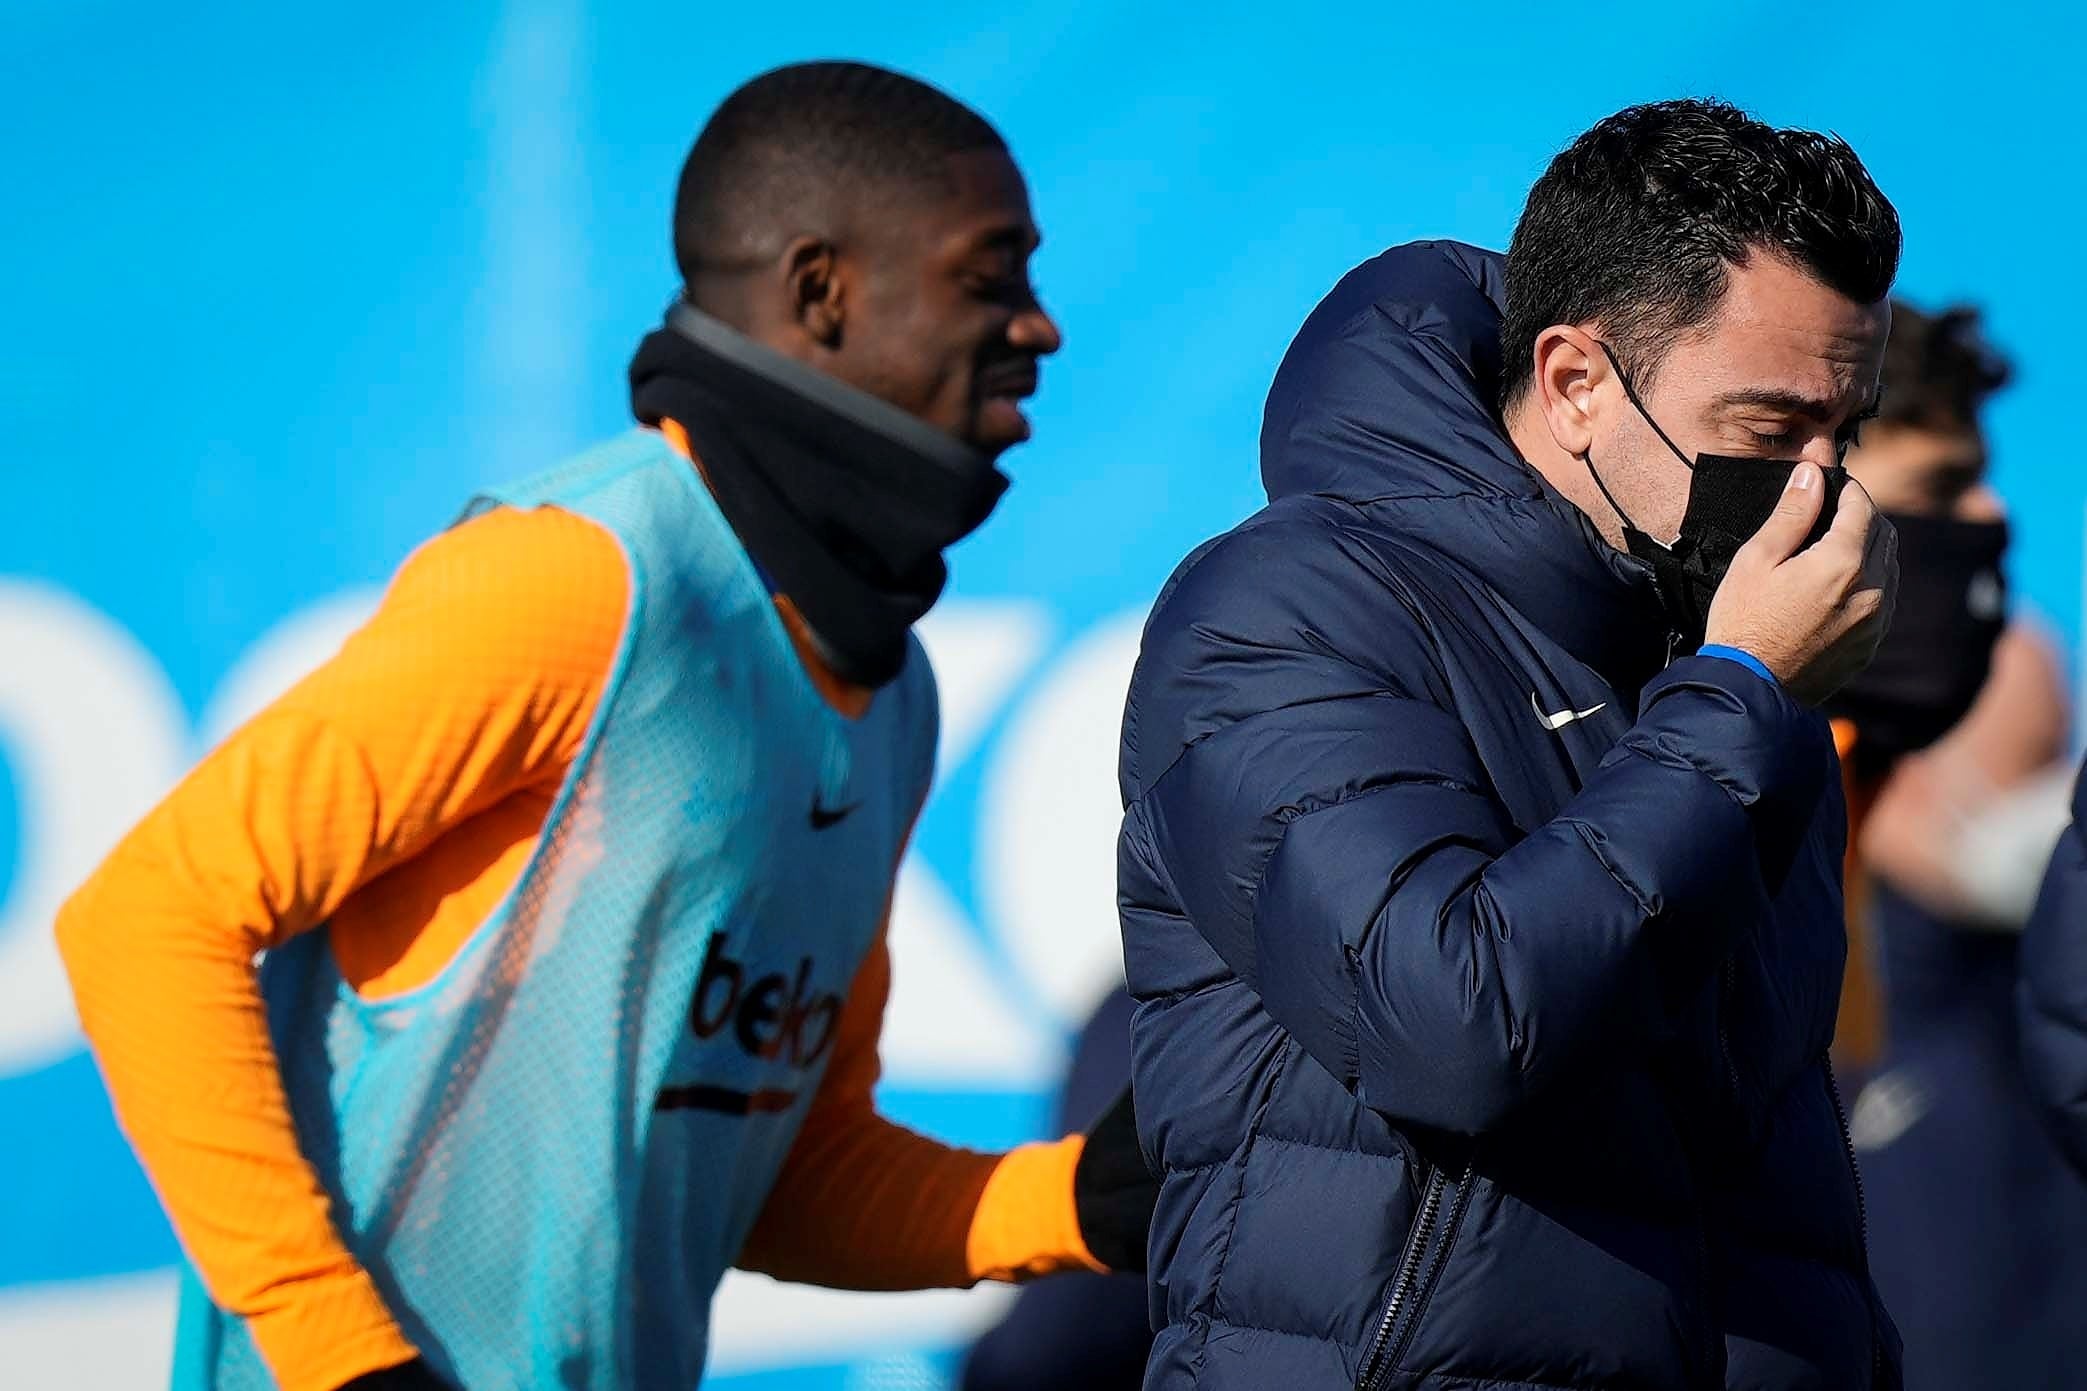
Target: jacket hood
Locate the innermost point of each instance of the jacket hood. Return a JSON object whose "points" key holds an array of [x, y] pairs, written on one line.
{"points": [[1386, 400], [1388, 388]]}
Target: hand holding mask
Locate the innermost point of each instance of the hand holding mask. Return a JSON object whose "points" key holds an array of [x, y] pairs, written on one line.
{"points": [[1730, 499], [1813, 613]]}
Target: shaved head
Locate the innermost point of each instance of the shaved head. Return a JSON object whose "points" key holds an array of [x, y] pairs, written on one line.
{"points": [[814, 149], [877, 230]]}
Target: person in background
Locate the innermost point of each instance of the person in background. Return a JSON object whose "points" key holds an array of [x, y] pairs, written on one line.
{"points": [[570, 873], [1953, 740]]}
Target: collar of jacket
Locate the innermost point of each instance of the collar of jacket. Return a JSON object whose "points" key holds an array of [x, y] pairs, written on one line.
{"points": [[1385, 400]]}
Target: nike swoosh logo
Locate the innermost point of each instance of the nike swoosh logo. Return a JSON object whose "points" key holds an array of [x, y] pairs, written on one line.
{"points": [[1561, 718], [823, 820]]}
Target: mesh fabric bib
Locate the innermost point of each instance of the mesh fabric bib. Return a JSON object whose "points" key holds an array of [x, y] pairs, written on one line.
{"points": [[548, 1155]]}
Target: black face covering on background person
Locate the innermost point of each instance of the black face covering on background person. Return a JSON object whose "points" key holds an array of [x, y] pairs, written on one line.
{"points": [[844, 501], [1928, 670], [1729, 499]]}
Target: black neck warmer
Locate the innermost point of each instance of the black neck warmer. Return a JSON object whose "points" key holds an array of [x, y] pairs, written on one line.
{"points": [[845, 502]]}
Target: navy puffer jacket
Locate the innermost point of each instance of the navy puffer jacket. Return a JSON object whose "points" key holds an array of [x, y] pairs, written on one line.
{"points": [[1485, 969], [2054, 987]]}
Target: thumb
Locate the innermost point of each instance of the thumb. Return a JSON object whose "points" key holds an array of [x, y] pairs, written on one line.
{"points": [[1782, 535]]}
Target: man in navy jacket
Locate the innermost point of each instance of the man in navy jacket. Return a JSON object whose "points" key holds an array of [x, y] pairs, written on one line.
{"points": [[1480, 874]]}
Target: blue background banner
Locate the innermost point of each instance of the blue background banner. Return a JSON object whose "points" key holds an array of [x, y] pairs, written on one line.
{"points": [[285, 283]]}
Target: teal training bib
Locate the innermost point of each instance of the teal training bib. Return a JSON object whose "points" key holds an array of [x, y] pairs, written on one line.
{"points": [[548, 1155]]}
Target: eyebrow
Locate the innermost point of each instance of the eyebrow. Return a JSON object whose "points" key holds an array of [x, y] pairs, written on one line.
{"points": [[1795, 402], [1012, 236]]}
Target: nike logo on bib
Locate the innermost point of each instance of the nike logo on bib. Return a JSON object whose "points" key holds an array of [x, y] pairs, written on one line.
{"points": [[1560, 719]]}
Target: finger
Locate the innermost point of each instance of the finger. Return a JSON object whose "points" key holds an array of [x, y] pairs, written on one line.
{"points": [[1782, 535], [1855, 517], [1878, 567], [1888, 576], [1880, 561], [1852, 538]]}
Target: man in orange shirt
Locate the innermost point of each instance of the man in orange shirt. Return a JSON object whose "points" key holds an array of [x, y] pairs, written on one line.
{"points": [[565, 1001]]}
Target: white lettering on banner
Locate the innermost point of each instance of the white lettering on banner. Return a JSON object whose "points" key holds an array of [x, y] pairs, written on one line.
{"points": [[954, 1019], [283, 656], [758, 1324], [1048, 819], [980, 649], [94, 734], [113, 1333]]}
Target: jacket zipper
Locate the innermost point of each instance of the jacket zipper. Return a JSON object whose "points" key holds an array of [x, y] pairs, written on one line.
{"points": [[1725, 980], [1402, 1281], [1422, 1247], [1862, 1208], [1710, 1301], [1840, 1114]]}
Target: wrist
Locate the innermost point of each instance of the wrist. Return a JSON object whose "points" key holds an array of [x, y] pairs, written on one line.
{"points": [[1027, 1219], [1728, 652], [1751, 736]]}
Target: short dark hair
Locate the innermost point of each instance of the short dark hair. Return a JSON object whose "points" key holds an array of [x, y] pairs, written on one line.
{"points": [[1634, 224], [779, 152], [1938, 369]]}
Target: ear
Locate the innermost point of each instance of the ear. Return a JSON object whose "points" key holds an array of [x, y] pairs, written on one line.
{"points": [[1569, 366], [814, 289]]}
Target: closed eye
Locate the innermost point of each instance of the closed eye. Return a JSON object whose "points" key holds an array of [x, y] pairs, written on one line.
{"points": [[1797, 414], [1851, 433], [1013, 291]]}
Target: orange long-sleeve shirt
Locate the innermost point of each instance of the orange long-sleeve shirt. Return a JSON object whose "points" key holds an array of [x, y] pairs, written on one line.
{"points": [[1858, 1033], [395, 796]]}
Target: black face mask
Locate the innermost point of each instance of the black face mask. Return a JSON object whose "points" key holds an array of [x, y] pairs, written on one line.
{"points": [[1951, 608], [1729, 499], [845, 502]]}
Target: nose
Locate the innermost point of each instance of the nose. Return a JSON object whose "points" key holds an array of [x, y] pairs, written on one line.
{"points": [[1980, 504], [1034, 331]]}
